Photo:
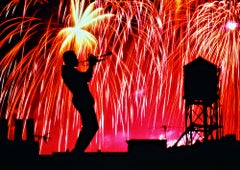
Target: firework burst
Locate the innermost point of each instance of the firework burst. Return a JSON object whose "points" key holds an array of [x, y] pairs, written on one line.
{"points": [[138, 91], [213, 32], [32, 70]]}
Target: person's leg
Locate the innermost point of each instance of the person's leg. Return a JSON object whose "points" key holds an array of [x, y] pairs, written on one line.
{"points": [[89, 128]]}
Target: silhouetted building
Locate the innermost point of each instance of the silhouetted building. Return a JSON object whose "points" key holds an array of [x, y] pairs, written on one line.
{"points": [[18, 146], [146, 145], [203, 117], [201, 81]]}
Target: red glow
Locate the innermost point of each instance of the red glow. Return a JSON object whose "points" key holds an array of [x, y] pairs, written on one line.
{"points": [[138, 90]]}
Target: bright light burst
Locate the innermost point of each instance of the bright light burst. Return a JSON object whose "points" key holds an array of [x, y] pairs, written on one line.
{"points": [[77, 36], [231, 25], [138, 90]]}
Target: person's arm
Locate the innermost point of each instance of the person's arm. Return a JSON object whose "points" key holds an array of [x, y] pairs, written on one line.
{"points": [[92, 62]]}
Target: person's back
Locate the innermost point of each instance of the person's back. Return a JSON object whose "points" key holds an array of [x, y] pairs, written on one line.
{"points": [[77, 83]]}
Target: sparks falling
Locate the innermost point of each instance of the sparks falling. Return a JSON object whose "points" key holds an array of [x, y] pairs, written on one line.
{"points": [[138, 91]]}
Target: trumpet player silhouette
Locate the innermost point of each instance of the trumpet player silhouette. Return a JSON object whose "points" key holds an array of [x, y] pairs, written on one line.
{"points": [[83, 101]]}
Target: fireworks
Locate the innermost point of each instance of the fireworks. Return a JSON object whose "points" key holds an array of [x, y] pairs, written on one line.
{"points": [[213, 32], [77, 35], [231, 25], [138, 91]]}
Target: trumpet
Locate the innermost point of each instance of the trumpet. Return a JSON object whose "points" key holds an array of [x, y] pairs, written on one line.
{"points": [[98, 58]]}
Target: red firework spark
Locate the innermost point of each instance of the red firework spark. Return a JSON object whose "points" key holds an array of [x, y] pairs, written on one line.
{"points": [[138, 90]]}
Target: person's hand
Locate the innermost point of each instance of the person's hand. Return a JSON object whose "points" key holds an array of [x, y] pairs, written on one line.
{"points": [[92, 60]]}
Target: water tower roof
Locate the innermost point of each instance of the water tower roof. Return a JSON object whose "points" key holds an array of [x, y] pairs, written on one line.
{"points": [[200, 62]]}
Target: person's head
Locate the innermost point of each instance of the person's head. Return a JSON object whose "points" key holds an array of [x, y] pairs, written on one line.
{"points": [[70, 58]]}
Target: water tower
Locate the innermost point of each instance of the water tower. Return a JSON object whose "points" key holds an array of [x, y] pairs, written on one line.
{"points": [[203, 119]]}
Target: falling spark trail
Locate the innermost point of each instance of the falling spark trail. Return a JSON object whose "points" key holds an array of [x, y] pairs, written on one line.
{"points": [[138, 90]]}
